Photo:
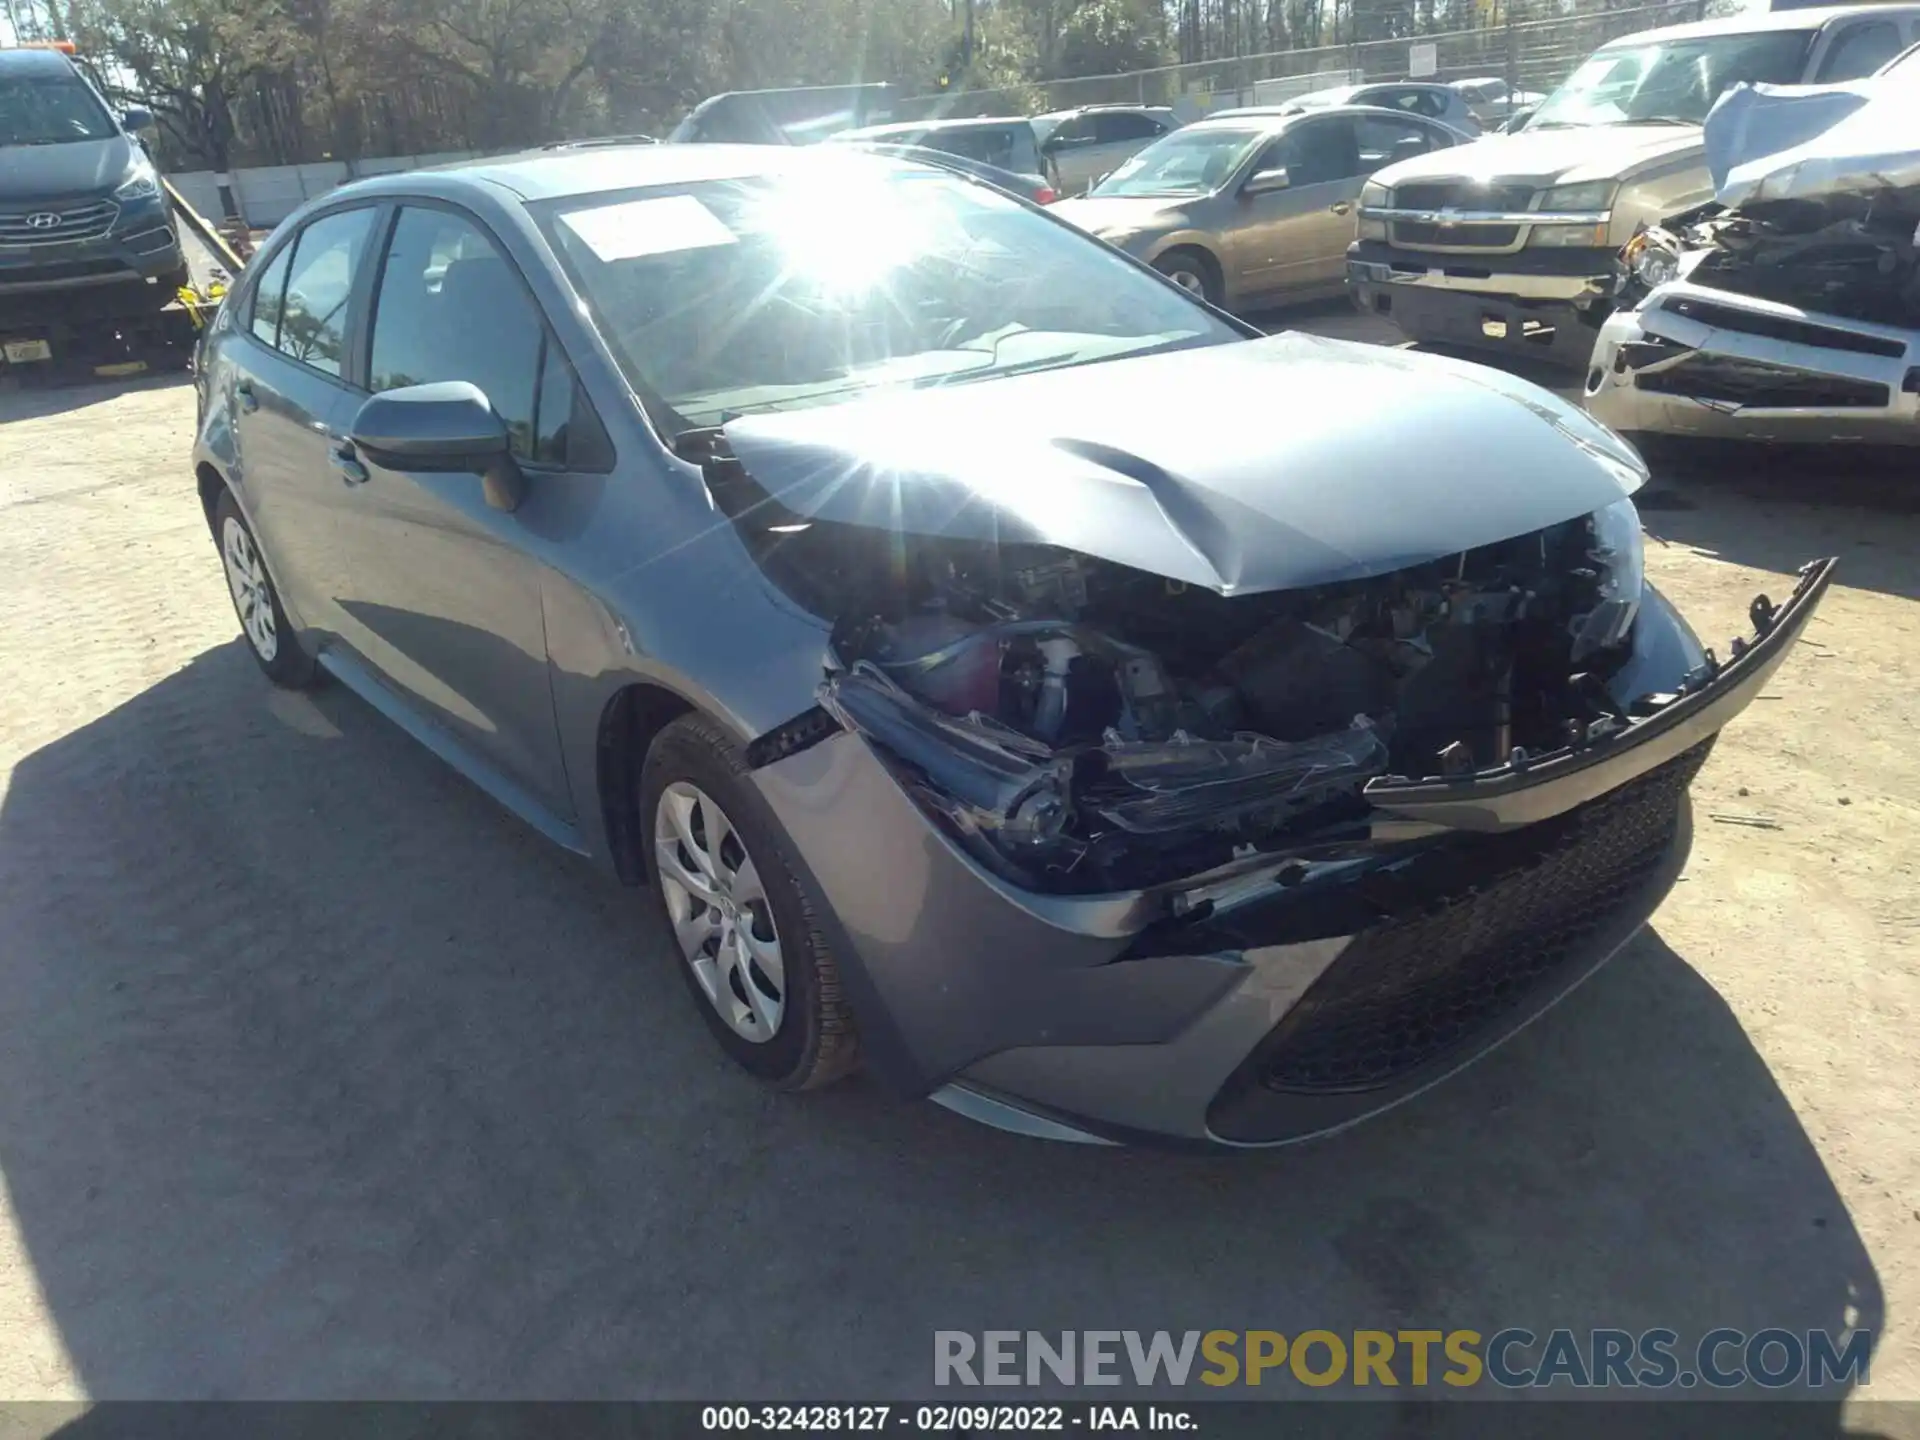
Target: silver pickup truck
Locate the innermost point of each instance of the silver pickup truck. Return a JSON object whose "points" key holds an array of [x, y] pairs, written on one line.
{"points": [[1510, 242]]}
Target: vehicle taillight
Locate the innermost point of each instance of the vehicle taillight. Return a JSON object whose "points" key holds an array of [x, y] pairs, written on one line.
{"points": [[1045, 195]]}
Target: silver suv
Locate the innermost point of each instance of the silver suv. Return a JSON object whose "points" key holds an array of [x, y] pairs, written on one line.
{"points": [[1084, 146]]}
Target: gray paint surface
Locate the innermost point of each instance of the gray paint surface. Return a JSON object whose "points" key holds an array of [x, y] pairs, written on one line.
{"points": [[1252, 465]]}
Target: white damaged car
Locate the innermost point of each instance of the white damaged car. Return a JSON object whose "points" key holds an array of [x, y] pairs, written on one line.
{"points": [[1789, 309]]}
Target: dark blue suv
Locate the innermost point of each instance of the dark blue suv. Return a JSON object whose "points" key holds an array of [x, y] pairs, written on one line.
{"points": [[80, 201]]}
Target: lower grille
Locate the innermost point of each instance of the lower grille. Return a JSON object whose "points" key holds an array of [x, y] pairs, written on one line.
{"points": [[1409, 990], [1728, 380], [68, 270]]}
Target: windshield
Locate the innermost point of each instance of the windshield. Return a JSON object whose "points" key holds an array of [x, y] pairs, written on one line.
{"points": [[1194, 161], [50, 109], [1675, 81], [731, 297]]}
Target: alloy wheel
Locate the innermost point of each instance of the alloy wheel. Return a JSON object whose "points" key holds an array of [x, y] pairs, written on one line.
{"points": [[252, 590], [718, 907]]}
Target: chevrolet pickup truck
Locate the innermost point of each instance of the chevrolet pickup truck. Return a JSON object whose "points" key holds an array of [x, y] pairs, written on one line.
{"points": [[1510, 243]]}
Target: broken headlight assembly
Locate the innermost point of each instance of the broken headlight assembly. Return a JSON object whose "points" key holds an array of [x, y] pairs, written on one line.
{"points": [[1651, 258], [1079, 727], [1618, 554]]}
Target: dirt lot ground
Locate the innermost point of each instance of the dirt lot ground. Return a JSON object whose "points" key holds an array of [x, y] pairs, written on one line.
{"points": [[320, 1076]]}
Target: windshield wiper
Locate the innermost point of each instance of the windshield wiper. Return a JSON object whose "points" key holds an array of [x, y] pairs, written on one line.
{"points": [[1660, 120]]}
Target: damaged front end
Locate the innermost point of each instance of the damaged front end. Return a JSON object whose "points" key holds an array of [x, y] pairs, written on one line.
{"points": [[1228, 867], [1080, 727], [1788, 310]]}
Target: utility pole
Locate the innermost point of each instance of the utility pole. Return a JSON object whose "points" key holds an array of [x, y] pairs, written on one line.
{"points": [[966, 40]]}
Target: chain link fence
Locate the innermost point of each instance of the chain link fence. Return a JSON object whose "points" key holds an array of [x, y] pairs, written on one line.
{"points": [[1530, 55]]}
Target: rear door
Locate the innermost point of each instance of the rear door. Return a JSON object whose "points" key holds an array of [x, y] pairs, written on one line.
{"points": [[289, 402], [1294, 240], [444, 601]]}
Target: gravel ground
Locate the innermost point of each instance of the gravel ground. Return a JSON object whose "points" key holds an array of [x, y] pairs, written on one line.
{"points": [[321, 1076]]}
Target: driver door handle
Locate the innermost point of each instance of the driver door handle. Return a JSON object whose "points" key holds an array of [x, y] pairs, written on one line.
{"points": [[243, 392], [340, 455], [1343, 207]]}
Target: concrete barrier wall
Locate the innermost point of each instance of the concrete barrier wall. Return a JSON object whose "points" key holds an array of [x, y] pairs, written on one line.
{"points": [[266, 195]]}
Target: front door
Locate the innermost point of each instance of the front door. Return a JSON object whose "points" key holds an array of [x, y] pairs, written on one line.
{"points": [[444, 598], [1295, 240]]}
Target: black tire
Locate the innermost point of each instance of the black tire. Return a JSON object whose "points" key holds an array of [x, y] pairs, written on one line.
{"points": [[815, 1042], [288, 665], [1192, 272]]}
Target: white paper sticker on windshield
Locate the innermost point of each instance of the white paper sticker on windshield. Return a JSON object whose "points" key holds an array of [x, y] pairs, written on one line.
{"points": [[648, 227]]}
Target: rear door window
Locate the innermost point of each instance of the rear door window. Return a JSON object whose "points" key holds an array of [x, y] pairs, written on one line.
{"points": [[1860, 50], [1383, 142], [313, 318], [268, 293], [1316, 153], [1123, 126]]}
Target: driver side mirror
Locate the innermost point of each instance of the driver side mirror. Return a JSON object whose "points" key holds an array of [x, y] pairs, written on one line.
{"points": [[1518, 120], [1268, 181], [136, 118], [447, 427]]}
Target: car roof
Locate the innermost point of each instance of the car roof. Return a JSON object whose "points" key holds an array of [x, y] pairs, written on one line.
{"points": [[35, 61], [1275, 119], [1755, 24], [555, 174], [943, 160], [929, 127], [1122, 108]]}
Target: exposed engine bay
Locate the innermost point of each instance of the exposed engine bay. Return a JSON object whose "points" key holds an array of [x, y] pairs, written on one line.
{"points": [[1846, 255], [1854, 257], [1081, 726]]}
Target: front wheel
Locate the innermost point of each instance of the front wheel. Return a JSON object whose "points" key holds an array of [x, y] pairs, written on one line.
{"points": [[1191, 273], [742, 919]]}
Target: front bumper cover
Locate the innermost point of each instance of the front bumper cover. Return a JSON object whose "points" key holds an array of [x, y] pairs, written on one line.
{"points": [[1541, 303], [1699, 361], [1138, 1016]]}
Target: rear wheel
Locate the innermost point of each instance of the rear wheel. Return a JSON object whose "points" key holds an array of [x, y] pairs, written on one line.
{"points": [[741, 917], [263, 620], [1192, 272]]}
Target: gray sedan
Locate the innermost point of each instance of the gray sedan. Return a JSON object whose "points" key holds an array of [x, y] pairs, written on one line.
{"points": [[1253, 210], [1001, 669]]}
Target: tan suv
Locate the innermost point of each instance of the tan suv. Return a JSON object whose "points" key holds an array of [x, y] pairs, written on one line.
{"points": [[1510, 242]]}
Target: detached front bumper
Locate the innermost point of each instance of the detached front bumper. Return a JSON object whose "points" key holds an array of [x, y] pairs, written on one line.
{"points": [[1693, 360], [1289, 1001], [1544, 304]]}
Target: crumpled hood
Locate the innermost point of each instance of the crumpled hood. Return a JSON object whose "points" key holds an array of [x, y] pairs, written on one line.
{"points": [[1261, 465], [1780, 142], [1119, 214], [1572, 156], [76, 168]]}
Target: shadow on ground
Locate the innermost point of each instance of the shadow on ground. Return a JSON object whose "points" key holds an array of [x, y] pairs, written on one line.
{"points": [[33, 403], [324, 1078]]}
